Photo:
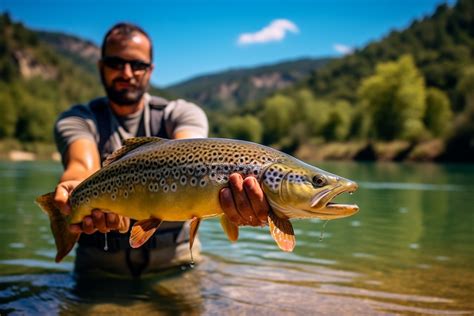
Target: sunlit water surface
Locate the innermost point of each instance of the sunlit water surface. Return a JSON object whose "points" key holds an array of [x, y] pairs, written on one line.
{"points": [[410, 250]]}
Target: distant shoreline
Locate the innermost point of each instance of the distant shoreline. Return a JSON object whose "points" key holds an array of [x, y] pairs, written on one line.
{"points": [[19, 155], [432, 151]]}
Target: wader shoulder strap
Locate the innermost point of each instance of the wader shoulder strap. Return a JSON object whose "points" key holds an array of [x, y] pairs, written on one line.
{"points": [[99, 108], [157, 113]]}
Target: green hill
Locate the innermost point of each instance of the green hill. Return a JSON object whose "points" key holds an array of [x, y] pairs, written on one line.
{"points": [[415, 86], [42, 74], [442, 45]]}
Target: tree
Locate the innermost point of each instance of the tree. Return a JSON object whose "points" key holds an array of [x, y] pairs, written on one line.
{"points": [[8, 117], [438, 115], [277, 117], [247, 127], [339, 121], [394, 98]]}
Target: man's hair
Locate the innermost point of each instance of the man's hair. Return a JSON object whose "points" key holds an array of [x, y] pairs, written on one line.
{"points": [[127, 30]]}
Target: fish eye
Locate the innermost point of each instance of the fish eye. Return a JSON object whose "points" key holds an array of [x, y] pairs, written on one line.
{"points": [[318, 181]]}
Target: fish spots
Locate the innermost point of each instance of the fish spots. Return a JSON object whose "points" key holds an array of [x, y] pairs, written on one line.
{"points": [[153, 187], [273, 177], [173, 187], [189, 163], [295, 177], [203, 182]]}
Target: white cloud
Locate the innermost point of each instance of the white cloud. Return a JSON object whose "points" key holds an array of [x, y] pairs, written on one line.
{"points": [[343, 49], [275, 31]]}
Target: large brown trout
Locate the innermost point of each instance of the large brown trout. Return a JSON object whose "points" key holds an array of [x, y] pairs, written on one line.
{"points": [[153, 180]]}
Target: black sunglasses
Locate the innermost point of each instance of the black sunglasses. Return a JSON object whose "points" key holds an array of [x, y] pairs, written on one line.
{"points": [[119, 63]]}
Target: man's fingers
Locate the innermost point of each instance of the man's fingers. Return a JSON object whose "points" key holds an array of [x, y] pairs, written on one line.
{"points": [[227, 204], [61, 196], [99, 220], [242, 203], [75, 228], [112, 221], [124, 224], [257, 199], [88, 225]]}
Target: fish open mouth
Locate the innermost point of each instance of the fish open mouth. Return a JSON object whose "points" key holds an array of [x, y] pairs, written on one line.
{"points": [[325, 209]]}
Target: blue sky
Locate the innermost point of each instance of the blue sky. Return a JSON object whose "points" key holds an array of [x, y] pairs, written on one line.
{"points": [[197, 37]]}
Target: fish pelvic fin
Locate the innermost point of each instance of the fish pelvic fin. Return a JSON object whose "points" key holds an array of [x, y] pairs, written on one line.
{"points": [[129, 145], [282, 232], [143, 230], [193, 228], [63, 237], [231, 230]]}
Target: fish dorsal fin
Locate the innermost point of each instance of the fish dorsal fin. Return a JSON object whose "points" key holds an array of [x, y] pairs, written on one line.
{"points": [[129, 145], [282, 232], [231, 230], [143, 230]]}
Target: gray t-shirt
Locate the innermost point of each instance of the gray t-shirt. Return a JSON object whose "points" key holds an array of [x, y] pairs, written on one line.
{"points": [[95, 121]]}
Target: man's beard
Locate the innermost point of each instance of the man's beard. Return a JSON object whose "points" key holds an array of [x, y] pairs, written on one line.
{"points": [[123, 97]]}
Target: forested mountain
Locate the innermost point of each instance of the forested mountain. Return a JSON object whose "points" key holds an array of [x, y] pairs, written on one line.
{"points": [[41, 74], [415, 86], [233, 88], [442, 45], [36, 83]]}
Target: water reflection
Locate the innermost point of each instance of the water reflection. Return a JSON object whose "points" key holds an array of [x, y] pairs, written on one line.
{"points": [[408, 251]]}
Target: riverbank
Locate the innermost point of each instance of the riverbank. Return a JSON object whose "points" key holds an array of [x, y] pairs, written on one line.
{"points": [[433, 150], [14, 150]]}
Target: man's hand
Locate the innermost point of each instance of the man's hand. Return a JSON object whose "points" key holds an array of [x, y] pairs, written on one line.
{"points": [[98, 220], [244, 201]]}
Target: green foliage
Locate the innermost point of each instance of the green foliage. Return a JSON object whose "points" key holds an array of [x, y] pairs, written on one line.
{"points": [[441, 46], [245, 128], [360, 123], [338, 123], [465, 87], [394, 97], [460, 146], [438, 115], [277, 117], [30, 102], [8, 117]]}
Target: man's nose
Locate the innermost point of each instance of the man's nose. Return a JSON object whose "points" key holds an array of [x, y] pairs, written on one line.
{"points": [[127, 70]]}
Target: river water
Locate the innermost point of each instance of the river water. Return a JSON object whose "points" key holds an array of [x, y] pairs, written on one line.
{"points": [[409, 251]]}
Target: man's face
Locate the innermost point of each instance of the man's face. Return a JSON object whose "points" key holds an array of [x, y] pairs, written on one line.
{"points": [[125, 68]]}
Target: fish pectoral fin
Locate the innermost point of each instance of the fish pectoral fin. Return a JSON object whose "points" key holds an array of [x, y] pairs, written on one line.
{"points": [[142, 231], [231, 230], [282, 232]]}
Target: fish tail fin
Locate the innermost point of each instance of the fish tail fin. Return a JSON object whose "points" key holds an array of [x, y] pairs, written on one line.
{"points": [[63, 237]]}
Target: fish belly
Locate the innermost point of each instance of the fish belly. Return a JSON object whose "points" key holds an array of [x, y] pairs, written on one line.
{"points": [[180, 204]]}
